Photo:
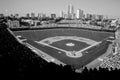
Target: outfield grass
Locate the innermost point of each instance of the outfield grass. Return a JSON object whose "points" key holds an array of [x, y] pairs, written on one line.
{"points": [[42, 34]]}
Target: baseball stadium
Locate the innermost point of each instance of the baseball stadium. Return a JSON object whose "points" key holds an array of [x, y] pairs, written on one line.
{"points": [[66, 46]]}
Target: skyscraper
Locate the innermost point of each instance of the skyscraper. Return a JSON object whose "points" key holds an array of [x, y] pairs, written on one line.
{"points": [[27, 15], [16, 15], [70, 9], [41, 15], [71, 14], [53, 16], [80, 14], [62, 14], [89, 16], [94, 16], [1, 15], [33, 15], [100, 17]]}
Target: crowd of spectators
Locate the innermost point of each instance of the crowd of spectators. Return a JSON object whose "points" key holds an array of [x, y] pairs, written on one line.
{"points": [[112, 61]]}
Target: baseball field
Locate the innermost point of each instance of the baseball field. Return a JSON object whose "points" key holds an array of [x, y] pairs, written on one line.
{"points": [[75, 47]]}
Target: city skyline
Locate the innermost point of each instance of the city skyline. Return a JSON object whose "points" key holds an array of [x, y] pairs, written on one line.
{"points": [[22, 7]]}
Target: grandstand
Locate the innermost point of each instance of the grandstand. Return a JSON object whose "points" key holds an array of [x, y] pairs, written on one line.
{"points": [[113, 60]]}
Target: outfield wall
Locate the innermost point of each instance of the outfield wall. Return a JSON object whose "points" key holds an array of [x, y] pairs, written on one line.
{"points": [[39, 28], [42, 34]]}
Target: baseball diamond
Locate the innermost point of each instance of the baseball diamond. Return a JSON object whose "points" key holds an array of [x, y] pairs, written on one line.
{"points": [[75, 47]]}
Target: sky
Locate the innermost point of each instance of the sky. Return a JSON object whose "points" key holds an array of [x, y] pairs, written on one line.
{"points": [[104, 7]]}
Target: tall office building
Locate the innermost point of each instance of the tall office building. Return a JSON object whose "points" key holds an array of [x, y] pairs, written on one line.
{"points": [[41, 15], [70, 9], [71, 13], [62, 14], [11, 15], [16, 15], [88, 16], [94, 16], [27, 15], [65, 16], [80, 14], [100, 17], [53, 16], [1, 15], [33, 15]]}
